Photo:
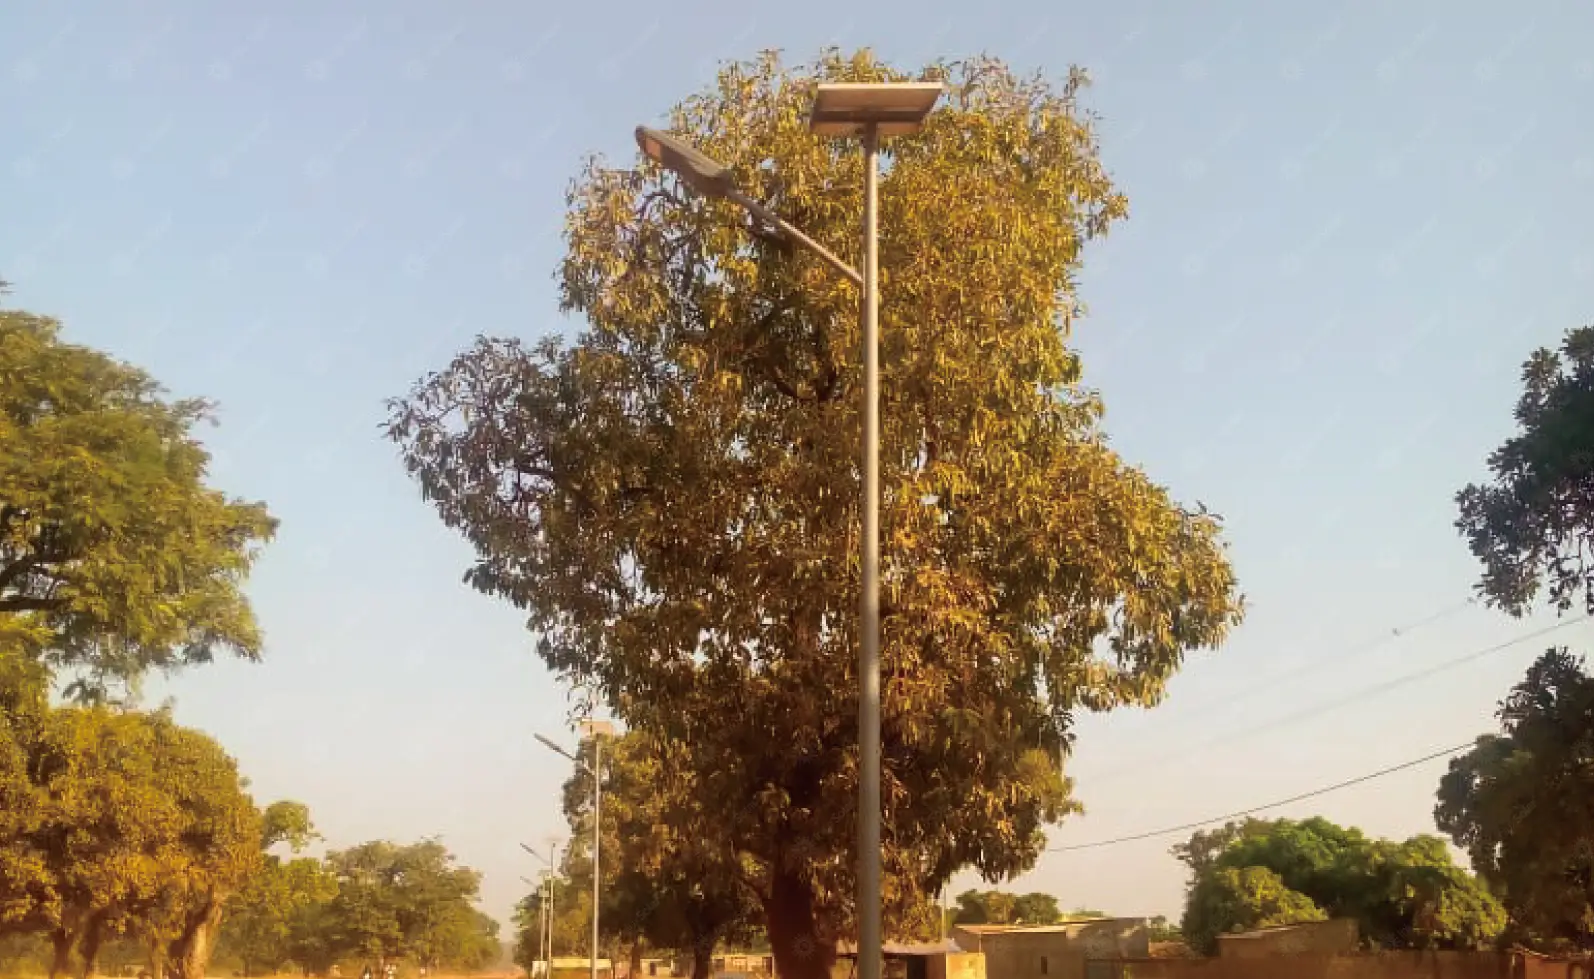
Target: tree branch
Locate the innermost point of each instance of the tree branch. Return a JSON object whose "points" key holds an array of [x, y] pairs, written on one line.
{"points": [[31, 604], [16, 569]]}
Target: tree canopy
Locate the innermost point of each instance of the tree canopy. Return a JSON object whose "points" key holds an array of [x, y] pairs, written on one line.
{"points": [[1534, 524], [1521, 804], [119, 822], [115, 556], [1402, 894], [975, 907], [410, 901], [672, 496]]}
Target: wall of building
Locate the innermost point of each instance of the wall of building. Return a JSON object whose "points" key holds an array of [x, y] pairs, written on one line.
{"points": [[1387, 965], [1336, 937], [1061, 952], [1538, 967], [967, 965]]}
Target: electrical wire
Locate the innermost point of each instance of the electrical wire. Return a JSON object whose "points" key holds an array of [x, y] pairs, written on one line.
{"points": [[1295, 717], [1398, 681], [1185, 827], [1322, 663]]}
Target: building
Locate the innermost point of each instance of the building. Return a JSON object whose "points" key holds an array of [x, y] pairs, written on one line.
{"points": [[579, 968], [744, 963], [932, 960], [1084, 949], [1337, 936]]}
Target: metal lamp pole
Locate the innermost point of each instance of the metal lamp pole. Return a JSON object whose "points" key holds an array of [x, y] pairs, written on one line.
{"points": [[597, 731], [867, 111], [540, 887], [553, 899], [545, 905]]}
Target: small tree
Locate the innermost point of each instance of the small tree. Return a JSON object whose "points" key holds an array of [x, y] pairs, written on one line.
{"points": [[670, 880]]}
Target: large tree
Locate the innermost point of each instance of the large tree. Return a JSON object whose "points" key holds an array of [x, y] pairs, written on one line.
{"points": [[218, 833], [119, 822], [672, 496], [1407, 894], [1535, 523], [115, 555], [1521, 804]]}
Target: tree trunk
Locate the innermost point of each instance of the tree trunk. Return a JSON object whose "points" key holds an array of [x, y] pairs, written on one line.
{"points": [[190, 950], [801, 950], [702, 960], [89, 947], [61, 961], [634, 967], [156, 953]]}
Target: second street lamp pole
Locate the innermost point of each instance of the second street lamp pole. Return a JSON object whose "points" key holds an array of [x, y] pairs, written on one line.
{"points": [[544, 889], [597, 731]]}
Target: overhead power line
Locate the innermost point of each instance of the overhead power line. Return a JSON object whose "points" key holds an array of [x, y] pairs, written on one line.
{"points": [[1319, 664], [1354, 696], [1405, 678], [1186, 827]]}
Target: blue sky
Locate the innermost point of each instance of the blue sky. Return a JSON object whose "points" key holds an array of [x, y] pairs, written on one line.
{"points": [[1350, 223]]}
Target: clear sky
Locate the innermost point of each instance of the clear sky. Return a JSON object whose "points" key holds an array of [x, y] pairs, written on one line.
{"points": [[1350, 224]]}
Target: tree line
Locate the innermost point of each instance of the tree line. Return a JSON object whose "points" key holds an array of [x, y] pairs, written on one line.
{"points": [[125, 836]]}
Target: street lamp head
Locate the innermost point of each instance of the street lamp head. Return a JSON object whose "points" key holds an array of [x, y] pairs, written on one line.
{"points": [[702, 174], [553, 747], [892, 108]]}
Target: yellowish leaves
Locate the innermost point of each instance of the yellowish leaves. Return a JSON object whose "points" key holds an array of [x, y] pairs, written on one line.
{"points": [[712, 576]]}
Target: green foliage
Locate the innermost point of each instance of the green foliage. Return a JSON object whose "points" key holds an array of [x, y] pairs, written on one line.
{"points": [[1535, 522], [572, 924], [116, 822], [259, 927], [1241, 899], [115, 557], [672, 497], [976, 907], [1521, 804], [666, 882], [406, 901], [1403, 895]]}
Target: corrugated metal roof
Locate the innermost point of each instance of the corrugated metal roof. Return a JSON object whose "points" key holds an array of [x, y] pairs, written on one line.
{"points": [[850, 949], [1061, 926]]}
